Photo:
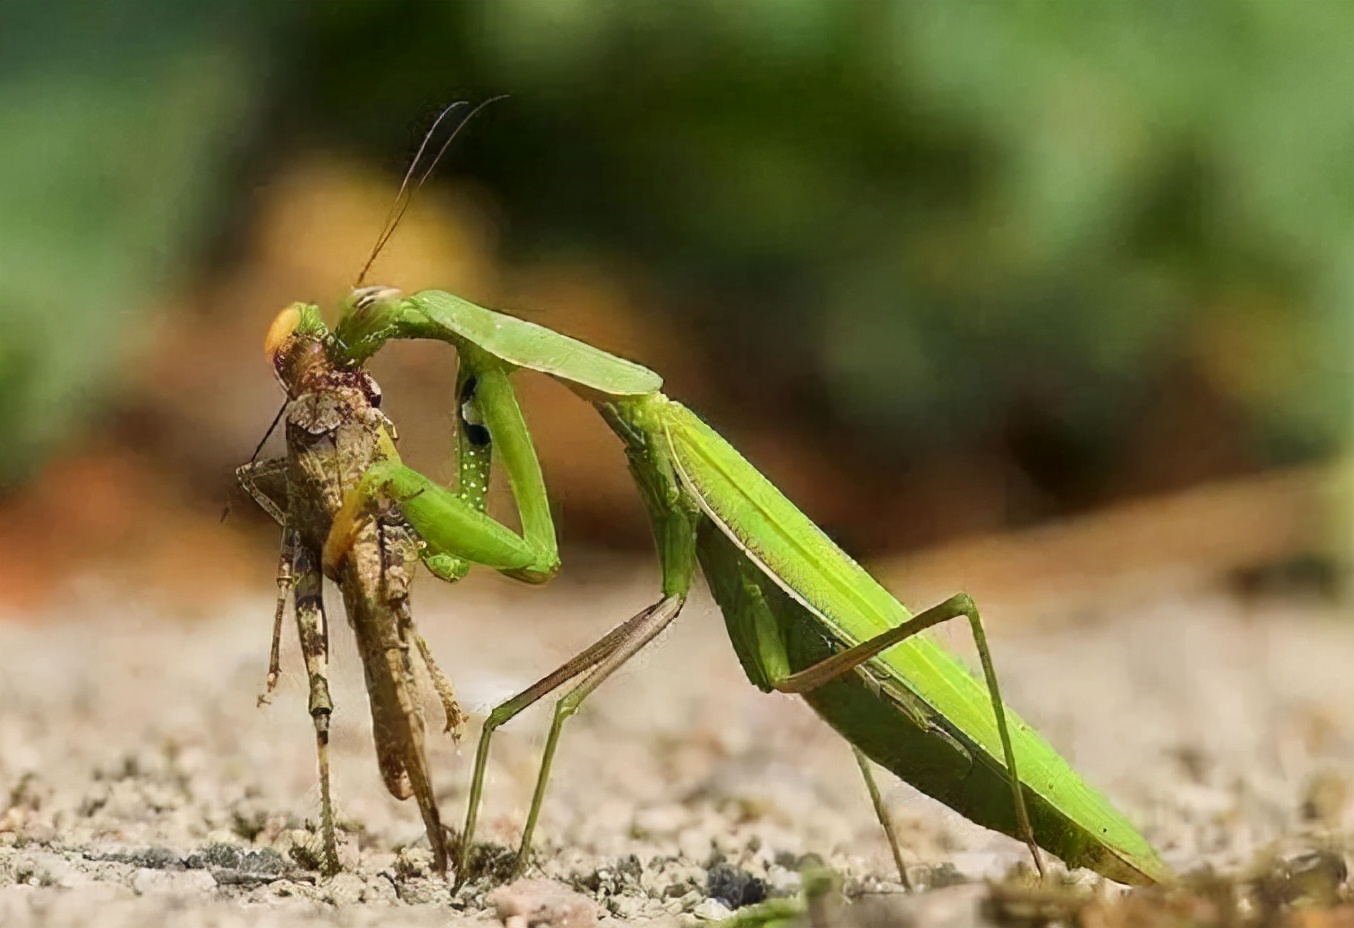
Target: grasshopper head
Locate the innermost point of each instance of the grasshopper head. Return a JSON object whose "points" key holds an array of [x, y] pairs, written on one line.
{"points": [[296, 347]]}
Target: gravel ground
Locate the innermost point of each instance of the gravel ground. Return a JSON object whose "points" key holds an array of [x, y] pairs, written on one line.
{"points": [[139, 783]]}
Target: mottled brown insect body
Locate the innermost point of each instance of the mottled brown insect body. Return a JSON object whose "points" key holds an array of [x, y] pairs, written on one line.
{"points": [[335, 432]]}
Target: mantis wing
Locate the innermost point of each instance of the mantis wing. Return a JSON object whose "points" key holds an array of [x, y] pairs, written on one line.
{"points": [[435, 314], [922, 715]]}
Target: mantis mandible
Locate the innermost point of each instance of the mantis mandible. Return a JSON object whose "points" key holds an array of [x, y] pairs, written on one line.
{"points": [[802, 616]]}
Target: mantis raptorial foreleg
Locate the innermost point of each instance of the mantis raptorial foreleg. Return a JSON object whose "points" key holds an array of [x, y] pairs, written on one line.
{"points": [[452, 524]]}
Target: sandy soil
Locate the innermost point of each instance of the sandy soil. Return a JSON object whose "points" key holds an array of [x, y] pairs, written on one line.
{"points": [[139, 783]]}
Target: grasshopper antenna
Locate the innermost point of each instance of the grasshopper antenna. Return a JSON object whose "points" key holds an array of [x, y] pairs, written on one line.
{"points": [[281, 410], [225, 512], [405, 194]]}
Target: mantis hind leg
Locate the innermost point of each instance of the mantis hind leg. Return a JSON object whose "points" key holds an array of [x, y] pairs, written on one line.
{"points": [[882, 813], [598, 661], [958, 606]]}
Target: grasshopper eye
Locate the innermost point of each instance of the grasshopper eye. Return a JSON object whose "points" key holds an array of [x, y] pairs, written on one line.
{"points": [[279, 331]]}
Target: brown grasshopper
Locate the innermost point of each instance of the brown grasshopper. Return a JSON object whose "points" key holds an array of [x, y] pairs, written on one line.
{"points": [[335, 431], [339, 523]]}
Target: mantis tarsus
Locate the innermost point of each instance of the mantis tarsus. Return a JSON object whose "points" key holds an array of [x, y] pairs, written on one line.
{"points": [[803, 617]]}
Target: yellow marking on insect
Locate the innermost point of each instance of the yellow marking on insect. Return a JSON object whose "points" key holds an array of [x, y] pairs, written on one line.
{"points": [[342, 531], [281, 329]]}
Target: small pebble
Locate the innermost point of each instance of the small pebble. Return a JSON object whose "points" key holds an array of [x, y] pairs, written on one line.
{"points": [[532, 903], [184, 883], [345, 889], [712, 910]]}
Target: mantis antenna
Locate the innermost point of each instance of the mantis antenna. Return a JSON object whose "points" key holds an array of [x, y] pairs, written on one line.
{"points": [[405, 194], [397, 210]]}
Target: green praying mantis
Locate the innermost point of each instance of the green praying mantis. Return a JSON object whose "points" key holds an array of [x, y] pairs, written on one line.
{"points": [[803, 617]]}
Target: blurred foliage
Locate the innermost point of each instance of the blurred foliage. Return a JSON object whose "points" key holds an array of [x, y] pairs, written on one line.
{"points": [[116, 123], [910, 223]]}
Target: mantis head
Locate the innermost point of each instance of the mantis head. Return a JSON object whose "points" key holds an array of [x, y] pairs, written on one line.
{"points": [[368, 318]]}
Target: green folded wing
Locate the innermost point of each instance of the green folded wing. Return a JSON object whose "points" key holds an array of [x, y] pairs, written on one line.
{"points": [[816, 590]]}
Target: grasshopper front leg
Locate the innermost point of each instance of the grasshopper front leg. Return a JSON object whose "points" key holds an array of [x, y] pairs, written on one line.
{"points": [[266, 482]]}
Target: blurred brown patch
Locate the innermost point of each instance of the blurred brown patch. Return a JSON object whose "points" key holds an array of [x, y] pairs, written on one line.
{"points": [[143, 490], [1172, 541], [111, 512]]}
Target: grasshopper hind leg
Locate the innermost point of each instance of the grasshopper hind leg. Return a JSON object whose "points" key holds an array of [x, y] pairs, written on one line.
{"points": [[387, 642], [313, 629]]}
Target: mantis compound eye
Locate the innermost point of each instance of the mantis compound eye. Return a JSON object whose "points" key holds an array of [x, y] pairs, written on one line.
{"points": [[279, 331], [367, 297]]}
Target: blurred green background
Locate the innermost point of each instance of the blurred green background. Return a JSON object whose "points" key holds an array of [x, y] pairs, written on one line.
{"points": [[1078, 250]]}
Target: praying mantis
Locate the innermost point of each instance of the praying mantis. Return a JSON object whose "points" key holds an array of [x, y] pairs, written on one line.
{"points": [[802, 616]]}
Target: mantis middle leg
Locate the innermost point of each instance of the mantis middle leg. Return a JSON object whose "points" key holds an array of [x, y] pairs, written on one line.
{"points": [[674, 530]]}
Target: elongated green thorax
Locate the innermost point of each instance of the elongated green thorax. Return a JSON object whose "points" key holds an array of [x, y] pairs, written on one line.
{"points": [[373, 316]]}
